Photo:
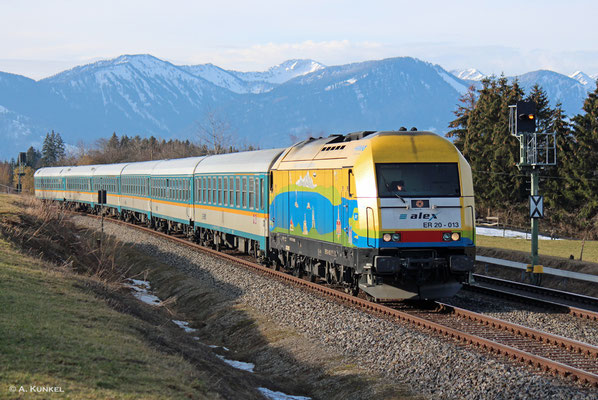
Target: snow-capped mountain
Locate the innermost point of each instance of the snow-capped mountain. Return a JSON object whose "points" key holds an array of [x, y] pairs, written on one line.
{"points": [[558, 88], [469, 74], [385, 94], [253, 82], [586, 80], [141, 94], [282, 72]]}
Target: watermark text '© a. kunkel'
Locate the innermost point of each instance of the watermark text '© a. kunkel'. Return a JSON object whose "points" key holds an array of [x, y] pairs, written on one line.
{"points": [[34, 389]]}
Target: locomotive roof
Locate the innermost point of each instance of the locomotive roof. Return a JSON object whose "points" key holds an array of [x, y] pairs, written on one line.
{"points": [[246, 161]]}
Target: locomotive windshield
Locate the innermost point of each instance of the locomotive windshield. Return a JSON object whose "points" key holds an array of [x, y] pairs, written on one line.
{"points": [[418, 180]]}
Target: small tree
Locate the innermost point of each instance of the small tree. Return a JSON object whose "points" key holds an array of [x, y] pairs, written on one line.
{"points": [[215, 135]]}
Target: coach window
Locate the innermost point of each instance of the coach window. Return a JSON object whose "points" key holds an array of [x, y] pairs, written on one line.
{"points": [[262, 194], [219, 190], [202, 183], [251, 192], [214, 189], [244, 192], [238, 192]]}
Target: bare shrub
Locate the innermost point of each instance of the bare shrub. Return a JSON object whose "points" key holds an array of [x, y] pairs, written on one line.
{"points": [[44, 230]]}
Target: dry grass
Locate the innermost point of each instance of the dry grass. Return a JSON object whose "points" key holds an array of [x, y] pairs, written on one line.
{"points": [[44, 230]]}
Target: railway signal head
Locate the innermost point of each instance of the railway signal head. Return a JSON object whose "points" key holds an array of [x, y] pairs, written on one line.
{"points": [[526, 117]]}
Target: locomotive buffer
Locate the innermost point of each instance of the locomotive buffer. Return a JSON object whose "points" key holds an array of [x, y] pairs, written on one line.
{"points": [[537, 151]]}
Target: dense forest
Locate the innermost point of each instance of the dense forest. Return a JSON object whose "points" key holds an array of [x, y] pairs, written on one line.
{"points": [[480, 131], [570, 188]]}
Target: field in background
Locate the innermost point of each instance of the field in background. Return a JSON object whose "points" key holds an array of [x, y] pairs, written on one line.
{"points": [[554, 248]]}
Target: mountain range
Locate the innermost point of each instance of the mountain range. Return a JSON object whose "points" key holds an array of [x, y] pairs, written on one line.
{"points": [[143, 95]]}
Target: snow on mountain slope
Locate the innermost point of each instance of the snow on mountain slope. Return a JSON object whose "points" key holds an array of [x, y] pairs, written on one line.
{"points": [[218, 77], [133, 88], [587, 81], [227, 79], [470, 74], [459, 86], [372, 95], [282, 72]]}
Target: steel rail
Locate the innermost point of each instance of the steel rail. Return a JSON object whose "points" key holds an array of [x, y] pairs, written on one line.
{"points": [[552, 304], [464, 337]]}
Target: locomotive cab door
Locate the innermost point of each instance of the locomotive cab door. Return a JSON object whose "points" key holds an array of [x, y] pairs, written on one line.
{"points": [[344, 183]]}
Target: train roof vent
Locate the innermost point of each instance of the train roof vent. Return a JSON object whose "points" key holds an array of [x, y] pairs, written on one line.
{"points": [[351, 136]]}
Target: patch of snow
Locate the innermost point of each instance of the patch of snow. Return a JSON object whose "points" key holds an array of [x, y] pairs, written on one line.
{"points": [[213, 346], [140, 283], [507, 233], [238, 364], [272, 395], [184, 325], [141, 291]]}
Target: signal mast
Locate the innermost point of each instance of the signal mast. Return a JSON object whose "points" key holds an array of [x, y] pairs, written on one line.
{"points": [[537, 151]]}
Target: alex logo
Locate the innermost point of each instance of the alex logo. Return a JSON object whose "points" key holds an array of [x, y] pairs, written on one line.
{"points": [[426, 216]]}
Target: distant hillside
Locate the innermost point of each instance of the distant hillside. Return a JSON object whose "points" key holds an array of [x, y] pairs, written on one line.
{"points": [[143, 95]]}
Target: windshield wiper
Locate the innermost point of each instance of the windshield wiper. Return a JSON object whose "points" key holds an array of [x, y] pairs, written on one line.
{"points": [[399, 196]]}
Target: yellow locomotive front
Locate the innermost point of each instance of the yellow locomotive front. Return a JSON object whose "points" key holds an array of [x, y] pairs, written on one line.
{"points": [[390, 213], [414, 190]]}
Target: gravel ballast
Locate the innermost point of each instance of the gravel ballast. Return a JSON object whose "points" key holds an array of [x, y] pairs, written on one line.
{"points": [[434, 366]]}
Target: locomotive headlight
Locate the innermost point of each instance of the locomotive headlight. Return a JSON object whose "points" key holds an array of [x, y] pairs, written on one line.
{"points": [[387, 237], [396, 237], [456, 236], [446, 236]]}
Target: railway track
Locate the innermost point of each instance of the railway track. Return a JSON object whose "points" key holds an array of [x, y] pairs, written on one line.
{"points": [[550, 353], [572, 303]]}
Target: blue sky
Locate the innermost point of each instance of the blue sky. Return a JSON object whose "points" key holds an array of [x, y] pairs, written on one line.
{"points": [[39, 38]]}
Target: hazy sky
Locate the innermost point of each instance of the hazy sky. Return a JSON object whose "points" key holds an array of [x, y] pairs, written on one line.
{"points": [[39, 38]]}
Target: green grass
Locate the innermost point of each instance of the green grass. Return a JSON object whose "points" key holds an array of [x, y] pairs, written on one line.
{"points": [[555, 248], [58, 330], [54, 332]]}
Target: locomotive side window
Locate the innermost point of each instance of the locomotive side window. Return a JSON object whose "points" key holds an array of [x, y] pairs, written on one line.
{"points": [[418, 180]]}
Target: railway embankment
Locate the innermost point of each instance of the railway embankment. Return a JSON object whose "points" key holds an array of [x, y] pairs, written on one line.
{"points": [[69, 323], [436, 367]]}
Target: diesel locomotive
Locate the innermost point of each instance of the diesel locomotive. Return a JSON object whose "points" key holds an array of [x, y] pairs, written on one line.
{"points": [[390, 213]]}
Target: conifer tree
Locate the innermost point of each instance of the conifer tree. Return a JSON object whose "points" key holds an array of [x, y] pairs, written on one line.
{"points": [[558, 187], [584, 166]]}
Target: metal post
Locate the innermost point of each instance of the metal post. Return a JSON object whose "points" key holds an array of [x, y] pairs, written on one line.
{"points": [[534, 256]]}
